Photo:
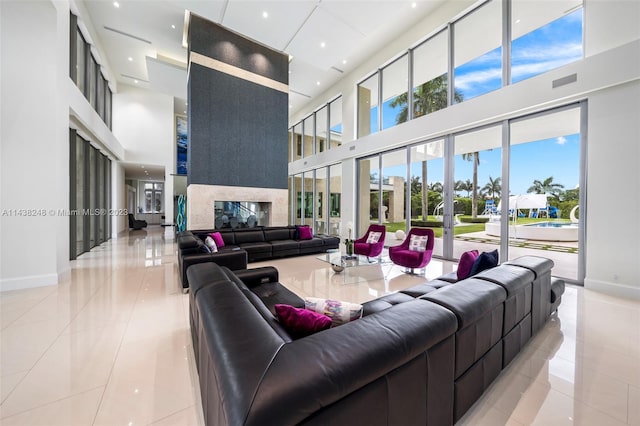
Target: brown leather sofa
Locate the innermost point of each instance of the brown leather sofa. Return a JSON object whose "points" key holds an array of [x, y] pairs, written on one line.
{"points": [[420, 356]]}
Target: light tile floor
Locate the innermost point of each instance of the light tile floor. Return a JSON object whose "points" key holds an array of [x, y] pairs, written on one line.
{"points": [[111, 345]]}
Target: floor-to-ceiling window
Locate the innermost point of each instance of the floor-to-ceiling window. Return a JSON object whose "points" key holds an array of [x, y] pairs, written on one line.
{"points": [[477, 58], [544, 38], [320, 200], [321, 129], [394, 92], [335, 199], [335, 123], [430, 76], [369, 206], [426, 183], [89, 196], [394, 190], [368, 106], [477, 180], [307, 138]]}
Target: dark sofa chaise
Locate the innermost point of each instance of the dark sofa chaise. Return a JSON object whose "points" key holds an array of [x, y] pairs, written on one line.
{"points": [[420, 356], [246, 245]]}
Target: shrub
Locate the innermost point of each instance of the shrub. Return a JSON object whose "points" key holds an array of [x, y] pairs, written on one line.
{"points": [[469, 219], [427, 223]]}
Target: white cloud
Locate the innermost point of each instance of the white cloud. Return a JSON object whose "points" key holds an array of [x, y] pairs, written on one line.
{"points": [[468, 81], [561, 140]]}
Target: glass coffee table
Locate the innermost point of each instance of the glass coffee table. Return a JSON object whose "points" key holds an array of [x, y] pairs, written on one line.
{"points": [[353, 267]]}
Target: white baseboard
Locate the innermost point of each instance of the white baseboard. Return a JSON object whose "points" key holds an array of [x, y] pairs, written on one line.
{"points": [[614, 289], [32, 281]]}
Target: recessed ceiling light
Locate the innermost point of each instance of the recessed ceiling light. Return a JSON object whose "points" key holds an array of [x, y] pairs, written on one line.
{"points": [[317, 83], [517, 21], [323, 44], [344, 61], [135, 81], [130, 59], [173, 26], [414, 4], [116, 4], [265, 14]]}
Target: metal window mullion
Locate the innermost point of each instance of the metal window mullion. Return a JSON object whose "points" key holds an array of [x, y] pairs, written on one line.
{"points": [[450, 66], [314, 148], [504, 192], [379, 100], [410, 85], [407, 195], [73, 185], [582, 193], [449, 151], [506, 43], [380, 176]]}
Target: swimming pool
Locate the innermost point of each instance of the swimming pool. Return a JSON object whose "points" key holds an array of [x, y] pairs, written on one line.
{"points": [[539, 231]]}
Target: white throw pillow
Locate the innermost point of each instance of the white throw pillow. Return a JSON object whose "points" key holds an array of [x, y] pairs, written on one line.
{"points": [[211, 244], [339, 312], [374, 237], [418, 243]]}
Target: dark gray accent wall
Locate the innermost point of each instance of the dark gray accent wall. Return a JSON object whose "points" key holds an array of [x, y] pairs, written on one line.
{"points": [[237, 128]]}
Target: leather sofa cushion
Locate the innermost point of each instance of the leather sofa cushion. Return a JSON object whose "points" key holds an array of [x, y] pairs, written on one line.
{"points": [[279, 245], [384, 302], [424, 288], [539, 265], [314, 242], [451, 277], [275, 293], [250, 236], [274, 234], [512, 278], [256, 247], [469, 299]]}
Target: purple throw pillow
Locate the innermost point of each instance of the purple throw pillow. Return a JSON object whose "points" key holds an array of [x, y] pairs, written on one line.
{"points": [[301, 322], [466, 262], [305, 233], [217, 237]]}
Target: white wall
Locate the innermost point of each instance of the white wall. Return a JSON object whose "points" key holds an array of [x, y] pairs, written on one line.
{"points": [[119, 223], [143, 121], [35, 147], [613, 228], [612, 61]]}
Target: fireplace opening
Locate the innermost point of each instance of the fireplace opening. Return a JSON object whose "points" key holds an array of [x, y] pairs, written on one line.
{"points": [[241, 214]]}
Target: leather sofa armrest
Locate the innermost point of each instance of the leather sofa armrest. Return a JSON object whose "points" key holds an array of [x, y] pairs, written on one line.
{"points": [[233, 259], [255, 277]]}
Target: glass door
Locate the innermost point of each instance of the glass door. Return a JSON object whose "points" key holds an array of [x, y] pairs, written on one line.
{"points": [[544, 182]]}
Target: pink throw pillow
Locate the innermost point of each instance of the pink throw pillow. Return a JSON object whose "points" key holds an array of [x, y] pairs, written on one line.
{"points": [[466, 262], [301, 322], [217, 237], [305, 233]]}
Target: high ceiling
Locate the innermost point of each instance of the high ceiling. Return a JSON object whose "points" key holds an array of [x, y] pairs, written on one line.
{"points": [[142, 39]]}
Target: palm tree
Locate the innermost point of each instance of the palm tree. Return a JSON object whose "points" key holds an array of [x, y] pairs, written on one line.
{"points": [[468, 187], [493, 187], [427, 98], [458, 186], [436, 187], [475, 157], [547, 186]]}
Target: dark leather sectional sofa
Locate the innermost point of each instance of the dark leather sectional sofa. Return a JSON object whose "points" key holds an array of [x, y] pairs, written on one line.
{"points": [[246, 245], [420, 356]]}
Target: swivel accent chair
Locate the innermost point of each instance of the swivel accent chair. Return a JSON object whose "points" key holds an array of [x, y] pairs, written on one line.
{"points": [[413, 257], [371, 247], [135, 223]]}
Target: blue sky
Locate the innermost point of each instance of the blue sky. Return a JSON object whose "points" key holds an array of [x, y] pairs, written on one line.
{"points": [[546, 48]]}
